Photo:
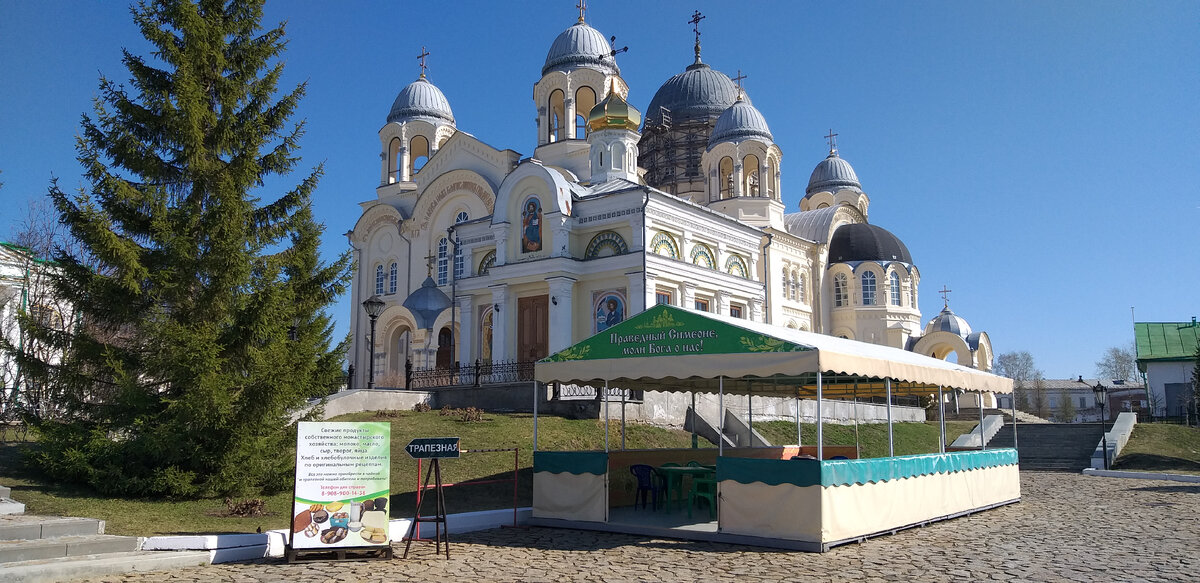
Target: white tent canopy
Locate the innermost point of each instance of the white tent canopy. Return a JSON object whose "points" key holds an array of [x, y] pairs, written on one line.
{"points": [[671, 349]]}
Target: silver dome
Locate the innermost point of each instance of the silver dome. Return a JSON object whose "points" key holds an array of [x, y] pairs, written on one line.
{"points": [[700, 92], [832, 172], [739, 123], [421, 100], [581, 46], [948, 321]]}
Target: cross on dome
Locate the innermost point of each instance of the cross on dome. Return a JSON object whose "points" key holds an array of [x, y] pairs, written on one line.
{"points": [[695, 22], [945, 293], [421, 61], [740, 77], [582, 6], [429, 260], [832, 139]]}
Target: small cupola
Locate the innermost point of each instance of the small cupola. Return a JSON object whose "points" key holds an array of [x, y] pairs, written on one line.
{"points": [[613, 138]]}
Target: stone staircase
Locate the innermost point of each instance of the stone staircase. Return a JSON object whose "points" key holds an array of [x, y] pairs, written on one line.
{"points": [[1064, 447], [55, 548]]}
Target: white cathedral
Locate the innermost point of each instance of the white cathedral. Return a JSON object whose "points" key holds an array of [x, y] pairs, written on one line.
{"points": [[612, 214]]}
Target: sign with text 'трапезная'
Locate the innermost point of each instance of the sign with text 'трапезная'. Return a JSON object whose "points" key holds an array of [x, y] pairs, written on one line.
{"points": [[433, 447]]}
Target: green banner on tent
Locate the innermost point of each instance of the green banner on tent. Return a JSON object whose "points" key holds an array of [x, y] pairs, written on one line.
{"points": [[671, 331]]}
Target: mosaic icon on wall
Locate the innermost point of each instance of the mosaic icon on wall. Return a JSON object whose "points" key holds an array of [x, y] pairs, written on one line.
{"points": [[531, 225], [609, 308]]}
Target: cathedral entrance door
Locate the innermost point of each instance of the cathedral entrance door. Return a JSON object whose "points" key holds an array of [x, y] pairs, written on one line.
{"points": [[443, 350], [533, 328]]}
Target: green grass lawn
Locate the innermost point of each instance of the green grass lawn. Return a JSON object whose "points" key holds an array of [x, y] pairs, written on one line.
{"points": [[1158, 447], [496, 431]]}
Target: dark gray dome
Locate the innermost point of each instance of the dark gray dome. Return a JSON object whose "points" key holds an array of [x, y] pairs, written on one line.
{"points": [[426, 303], [581, 46], [864, 242], [740, 122], [948, 321], [832, 172], [700, 92], [421, 100]]}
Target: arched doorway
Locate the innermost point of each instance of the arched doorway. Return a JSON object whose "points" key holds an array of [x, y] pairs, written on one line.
{"points": [[445, 338]]}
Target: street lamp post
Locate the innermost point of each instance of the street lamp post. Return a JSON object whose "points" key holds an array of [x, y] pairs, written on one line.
{"points": [[374, 306], [1101, 399]]}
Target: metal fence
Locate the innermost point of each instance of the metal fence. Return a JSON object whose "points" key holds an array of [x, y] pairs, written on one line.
{"points": [[470, 375]]}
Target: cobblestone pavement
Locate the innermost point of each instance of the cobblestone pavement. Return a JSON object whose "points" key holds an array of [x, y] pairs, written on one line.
{"points": [[1068, 527]]}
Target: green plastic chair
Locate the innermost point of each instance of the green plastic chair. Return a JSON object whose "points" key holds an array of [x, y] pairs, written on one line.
{"points": [[706, 489]]}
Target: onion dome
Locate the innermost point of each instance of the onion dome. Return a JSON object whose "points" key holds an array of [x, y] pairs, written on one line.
{"points": [[739, 123], [831, 173], [614, 113], [421, 100], [948, 321], [700, 92], [426, 303], [581, 46], [864, 242]]}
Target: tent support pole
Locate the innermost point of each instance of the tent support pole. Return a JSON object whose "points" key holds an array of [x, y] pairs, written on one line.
{"points": [[606, 416], [535, 404], [857, 447], [887, 384], [622, 419], [721, 414], [750, 412], [695, 444], [1014, 411], [941, 420], [820, 435], [982, 444]]}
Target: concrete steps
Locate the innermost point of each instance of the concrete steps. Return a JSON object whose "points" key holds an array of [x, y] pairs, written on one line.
{"points": [[1063, 447], [55, 548]]}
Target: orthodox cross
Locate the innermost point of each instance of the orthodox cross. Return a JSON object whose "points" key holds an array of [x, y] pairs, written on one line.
{"points": [[429, 259], [945, 293], [738, 80], [695, 22], [421, 60], [832, 139], [582, 6]]}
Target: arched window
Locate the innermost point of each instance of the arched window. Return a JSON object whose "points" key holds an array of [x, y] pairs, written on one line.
{"points": [[793, 284], [458, 262], [803, 288], [393, 273], [868, 288], [750, 175], [912, 294], [555, 113], [605, 244], [461, 217], [485, 335], [664, 244], [786, 282], [894, 283], [485, 265], [618, 156], [769, 180], [443, 261], [418, 154], [394, 161], [725, 177], [702, 256], [585, 100], [379, 280], [735, 265], [839, 290]]}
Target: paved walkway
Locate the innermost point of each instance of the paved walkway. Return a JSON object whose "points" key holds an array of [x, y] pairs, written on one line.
{"points": [[1068, 527]]}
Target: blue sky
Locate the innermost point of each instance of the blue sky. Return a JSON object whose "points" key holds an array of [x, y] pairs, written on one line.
{"points": [[1041, 159]]}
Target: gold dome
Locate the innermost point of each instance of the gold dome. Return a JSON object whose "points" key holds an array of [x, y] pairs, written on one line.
{"points": [[614, 113]]}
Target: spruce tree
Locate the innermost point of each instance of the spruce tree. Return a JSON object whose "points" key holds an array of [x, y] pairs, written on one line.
{"points": [[202, 324]]}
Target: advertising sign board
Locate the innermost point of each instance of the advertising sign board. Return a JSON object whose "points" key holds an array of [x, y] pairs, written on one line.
{"points": [[342, 485]]}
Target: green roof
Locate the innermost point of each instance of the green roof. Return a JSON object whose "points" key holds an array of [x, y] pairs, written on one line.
{"points": [[1166, 340]]}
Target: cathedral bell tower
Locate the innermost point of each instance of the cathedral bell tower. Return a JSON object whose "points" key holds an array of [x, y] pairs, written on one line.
{"points": [[613, 139]]}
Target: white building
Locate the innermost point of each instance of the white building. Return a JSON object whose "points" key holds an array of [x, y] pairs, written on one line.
{"points": [[25, 289], [1166, 353], [610, 215]]}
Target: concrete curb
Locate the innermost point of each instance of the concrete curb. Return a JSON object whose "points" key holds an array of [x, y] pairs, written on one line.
{"points": [[226, 548], [1141, 475]]}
